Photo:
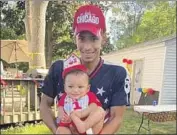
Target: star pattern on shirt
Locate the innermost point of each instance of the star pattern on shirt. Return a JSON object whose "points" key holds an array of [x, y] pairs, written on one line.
{"points": [[100, 91], [106, 101]]}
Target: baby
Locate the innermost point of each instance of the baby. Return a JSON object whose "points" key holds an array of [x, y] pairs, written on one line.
{"points": [[78, 106]]}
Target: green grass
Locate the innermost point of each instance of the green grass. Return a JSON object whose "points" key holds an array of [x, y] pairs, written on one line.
{"points": [[130, 125]]}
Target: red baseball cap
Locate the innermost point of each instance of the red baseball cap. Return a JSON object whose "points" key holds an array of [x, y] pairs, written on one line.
{"points": [[69, 69], [89, 18]]}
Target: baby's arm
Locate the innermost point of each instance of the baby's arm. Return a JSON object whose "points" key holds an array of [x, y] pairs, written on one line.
{"points": [[94, 103], [86, 112], [63, 117]]}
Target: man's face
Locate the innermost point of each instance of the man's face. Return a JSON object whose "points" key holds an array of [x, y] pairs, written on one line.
{"points": [[89, 46]]}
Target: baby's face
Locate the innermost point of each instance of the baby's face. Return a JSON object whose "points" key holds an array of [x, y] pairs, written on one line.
{"points": [[76, 85]]}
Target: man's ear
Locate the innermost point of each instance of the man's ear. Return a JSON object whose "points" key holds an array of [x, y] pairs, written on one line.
{"points": [[104, 38], [75, 41]]}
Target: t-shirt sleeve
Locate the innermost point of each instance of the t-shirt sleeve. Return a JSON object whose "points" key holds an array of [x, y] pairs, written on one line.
{"points": [[51, 80], [62, 100], [93, 99], [121, 88]]}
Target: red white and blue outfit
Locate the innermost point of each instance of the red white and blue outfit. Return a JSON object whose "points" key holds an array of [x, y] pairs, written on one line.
{"points": [[82, 103]]}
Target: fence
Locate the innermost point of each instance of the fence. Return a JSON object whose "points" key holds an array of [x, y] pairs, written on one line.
{"points": [[20, 100]]}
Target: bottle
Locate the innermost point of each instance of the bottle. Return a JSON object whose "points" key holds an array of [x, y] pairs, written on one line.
{"points": [[154, 103]]}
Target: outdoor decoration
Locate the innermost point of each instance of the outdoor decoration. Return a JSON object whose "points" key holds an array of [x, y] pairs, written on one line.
{"points": [[128, 63], [72, 60], [139, 89], [146, 91], [21, 89], [2, 82]]}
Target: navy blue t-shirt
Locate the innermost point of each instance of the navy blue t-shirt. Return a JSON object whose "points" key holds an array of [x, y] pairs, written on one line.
{"points": [[110, 83]]}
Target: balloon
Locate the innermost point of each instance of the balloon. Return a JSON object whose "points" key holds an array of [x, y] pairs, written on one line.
{"points": [[129, 62], [151, 91], [139, 89], [125, 60], [145, 90]]}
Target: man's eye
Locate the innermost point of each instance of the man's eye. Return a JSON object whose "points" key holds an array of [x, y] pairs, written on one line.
{"points": [[81, 38], [94, 38]]}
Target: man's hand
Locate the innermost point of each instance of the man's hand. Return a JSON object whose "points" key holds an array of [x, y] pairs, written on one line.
{"points": [[115, 120], [46, 113]]}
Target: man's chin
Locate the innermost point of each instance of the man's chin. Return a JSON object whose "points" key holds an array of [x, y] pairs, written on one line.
{"points": [[88, 60]]}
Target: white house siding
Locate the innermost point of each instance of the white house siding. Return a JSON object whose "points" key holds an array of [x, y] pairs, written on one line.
{"points": [[168, 95], [153, 56]]}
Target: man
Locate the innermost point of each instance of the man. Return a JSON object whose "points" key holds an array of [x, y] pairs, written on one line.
{"points": [[109, 82]]}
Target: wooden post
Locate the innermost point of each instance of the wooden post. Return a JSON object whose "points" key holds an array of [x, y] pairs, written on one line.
{"points": [[35, 100], [21, 103], [13, 111], [28, 100]]}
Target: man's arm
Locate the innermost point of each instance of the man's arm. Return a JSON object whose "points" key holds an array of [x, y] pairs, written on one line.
{"points": [[115, 120], [119, 100], [47, 114]]}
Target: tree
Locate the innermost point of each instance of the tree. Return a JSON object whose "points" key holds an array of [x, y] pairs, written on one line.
{"points": [[157, 21], [59, 18], [12, 20], [35, 21], [126, 17]]}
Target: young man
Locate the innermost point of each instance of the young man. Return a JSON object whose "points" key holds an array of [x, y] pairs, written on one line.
{"points": [[110, 83]]}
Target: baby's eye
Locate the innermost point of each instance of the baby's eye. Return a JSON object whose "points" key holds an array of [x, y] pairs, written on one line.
{"points": [[80, 87], [70, 86]]}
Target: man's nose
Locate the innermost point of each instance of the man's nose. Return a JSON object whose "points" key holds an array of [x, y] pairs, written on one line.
{"points": [[87, 45]]}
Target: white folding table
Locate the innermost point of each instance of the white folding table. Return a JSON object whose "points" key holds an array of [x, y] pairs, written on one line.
{"points": [[146, 110]]}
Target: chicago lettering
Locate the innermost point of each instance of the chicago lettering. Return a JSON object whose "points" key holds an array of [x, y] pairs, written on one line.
{"points": [[87, 17]]}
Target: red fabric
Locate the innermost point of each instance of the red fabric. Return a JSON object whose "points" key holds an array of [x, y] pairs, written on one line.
{"points": [[89, 18], [62, 99], [69, 69], [93, 99]]}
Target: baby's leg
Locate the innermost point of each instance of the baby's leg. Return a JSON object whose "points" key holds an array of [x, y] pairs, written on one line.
{"points": [[94, 117], [98, 126], [63, 130]]}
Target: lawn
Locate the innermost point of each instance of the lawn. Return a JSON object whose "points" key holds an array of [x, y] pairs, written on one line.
{"points": [[130, 125]]}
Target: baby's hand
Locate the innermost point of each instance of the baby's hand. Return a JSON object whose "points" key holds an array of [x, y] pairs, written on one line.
{"points": [[65, 118]]}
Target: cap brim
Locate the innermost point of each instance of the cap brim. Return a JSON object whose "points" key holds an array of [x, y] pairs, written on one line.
{"points": [[92, 29]]}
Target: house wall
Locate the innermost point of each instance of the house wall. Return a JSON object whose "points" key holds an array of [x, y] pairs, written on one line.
{"points": [[168, 94], [153, 56]]}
